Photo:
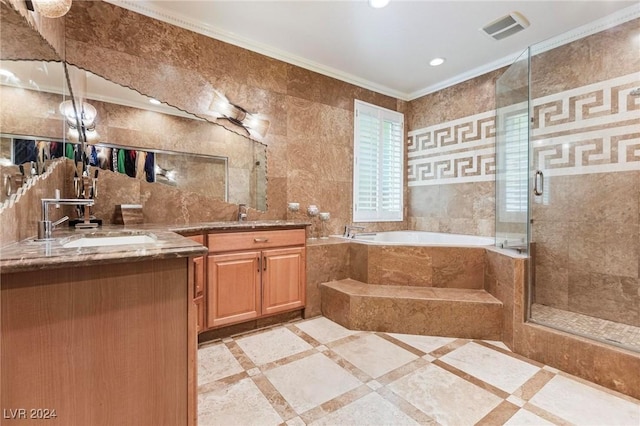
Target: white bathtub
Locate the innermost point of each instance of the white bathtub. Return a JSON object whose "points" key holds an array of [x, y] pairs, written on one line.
{"points": [[421, 238]]}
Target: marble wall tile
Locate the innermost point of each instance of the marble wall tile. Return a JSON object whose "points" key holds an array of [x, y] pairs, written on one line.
{"points": [[461, 100], [393, 265], [327, 162], [458, 267], [304, 108], [359, 262], [121, 189], [324, 263], [31, 112], [597, 57], [554, 248], [19, 40], [464, 208], [552, 286], [337, 306], [605, 296], [329, 91], [19, 220], [424, 202], [621, 249]]}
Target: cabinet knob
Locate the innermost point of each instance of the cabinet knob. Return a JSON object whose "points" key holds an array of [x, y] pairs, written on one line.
{"points": [[260, 240]]}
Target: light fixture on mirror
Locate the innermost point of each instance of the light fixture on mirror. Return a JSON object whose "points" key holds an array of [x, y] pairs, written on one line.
{"points": [[239, 116], [87, 121], [51, 8], [170, 175]]}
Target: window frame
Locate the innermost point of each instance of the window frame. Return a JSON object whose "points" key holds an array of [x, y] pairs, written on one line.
{"points": [[379, 215], [521, 156]]}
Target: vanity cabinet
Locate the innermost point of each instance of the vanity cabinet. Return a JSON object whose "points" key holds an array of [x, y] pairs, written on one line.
{"points": [[254, 274]]}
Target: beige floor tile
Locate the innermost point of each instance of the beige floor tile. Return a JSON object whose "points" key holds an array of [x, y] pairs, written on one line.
{"points": [[272, 345], [240, 403], [498, 344], [497, 369], [324, 330], [526, 418], [374, 355], [424, 343], [371, 409], [444, 396], [311, 381], [215, 362], [582, 404]]}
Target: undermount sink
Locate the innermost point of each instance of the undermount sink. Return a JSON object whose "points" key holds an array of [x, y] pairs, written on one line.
{"points": [[109, 240]]}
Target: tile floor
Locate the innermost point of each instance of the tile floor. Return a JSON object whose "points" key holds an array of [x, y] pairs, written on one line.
{"points": [[627, 336], [316, 372]]}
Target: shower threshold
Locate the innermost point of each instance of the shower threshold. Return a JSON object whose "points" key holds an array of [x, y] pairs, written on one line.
{"points": [[624, 335]]}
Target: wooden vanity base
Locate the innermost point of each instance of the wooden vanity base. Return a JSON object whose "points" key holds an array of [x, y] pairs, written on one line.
{"points": [[100, 345]]}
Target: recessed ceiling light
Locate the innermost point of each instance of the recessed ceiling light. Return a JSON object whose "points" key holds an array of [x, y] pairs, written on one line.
{"points": [[436, 61], [378, 4], [154, 101]]}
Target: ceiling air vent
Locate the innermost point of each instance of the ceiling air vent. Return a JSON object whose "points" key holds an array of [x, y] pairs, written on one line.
{"points": [[506, 26]]}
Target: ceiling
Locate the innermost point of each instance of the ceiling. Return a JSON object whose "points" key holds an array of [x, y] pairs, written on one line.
{"points": [[387, 50]]}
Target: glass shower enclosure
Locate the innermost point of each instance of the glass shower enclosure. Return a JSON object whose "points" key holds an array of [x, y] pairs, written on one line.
{"points": [[568, 181]]}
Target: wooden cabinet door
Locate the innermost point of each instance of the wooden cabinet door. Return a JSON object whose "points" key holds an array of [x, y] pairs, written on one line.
{"points": [[233, 288], [283, 280], [200, 314], [198, 280]]}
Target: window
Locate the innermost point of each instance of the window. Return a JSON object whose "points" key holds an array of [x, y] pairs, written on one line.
{"points": [[515, 167], [378, 164]]}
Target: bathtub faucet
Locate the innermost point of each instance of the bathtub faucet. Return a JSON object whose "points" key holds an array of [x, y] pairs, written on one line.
{"points": [[350, 230]]}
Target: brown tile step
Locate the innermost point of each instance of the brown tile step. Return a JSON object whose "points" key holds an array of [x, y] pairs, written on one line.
{"points": [[452, 312]]}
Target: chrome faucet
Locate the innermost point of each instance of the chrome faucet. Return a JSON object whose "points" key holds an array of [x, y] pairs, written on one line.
{"points": [[349, 230], [242, 212], [45, 226]]}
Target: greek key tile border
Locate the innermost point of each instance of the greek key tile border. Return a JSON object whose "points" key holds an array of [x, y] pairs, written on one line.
{"points": [[590, 129]]}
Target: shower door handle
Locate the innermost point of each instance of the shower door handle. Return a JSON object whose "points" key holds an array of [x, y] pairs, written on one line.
{"points": [[538, 183]]}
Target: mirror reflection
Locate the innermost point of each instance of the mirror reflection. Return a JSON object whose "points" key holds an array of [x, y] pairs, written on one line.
{"points": [[121, 124]]}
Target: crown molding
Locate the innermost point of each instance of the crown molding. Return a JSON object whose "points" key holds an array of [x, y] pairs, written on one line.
{"points": [[155, 12], [468, 75]]}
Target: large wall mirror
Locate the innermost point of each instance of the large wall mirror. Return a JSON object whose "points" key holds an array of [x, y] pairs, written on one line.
{"points": [[188, 153]]}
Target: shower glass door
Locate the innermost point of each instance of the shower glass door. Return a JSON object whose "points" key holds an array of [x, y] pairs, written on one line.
{"points": [[585, 186], [512, 156]]}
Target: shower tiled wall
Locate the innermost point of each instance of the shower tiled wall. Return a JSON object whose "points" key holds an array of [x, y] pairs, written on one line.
{"points": [[586, 140]]}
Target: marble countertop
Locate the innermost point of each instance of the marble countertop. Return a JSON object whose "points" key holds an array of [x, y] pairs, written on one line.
{"points": [[166, 243], [235, 226]]}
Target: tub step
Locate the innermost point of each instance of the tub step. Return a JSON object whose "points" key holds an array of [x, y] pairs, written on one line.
{"points": [[451, 312]]}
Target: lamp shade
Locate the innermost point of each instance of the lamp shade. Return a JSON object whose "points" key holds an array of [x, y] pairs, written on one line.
{"points": [[52, 8]]}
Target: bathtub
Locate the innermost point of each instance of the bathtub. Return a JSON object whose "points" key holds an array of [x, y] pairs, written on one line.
{"points": [[421, 238]]}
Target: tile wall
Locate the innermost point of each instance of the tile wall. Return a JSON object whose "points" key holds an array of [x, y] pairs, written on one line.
{"points": [[309, 143], [451, 158], [586, 133]]}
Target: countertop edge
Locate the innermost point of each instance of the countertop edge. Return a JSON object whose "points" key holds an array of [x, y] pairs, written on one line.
{"points": [[25, 256]]}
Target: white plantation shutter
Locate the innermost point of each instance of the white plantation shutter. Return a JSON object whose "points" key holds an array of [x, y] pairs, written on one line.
{"points": [[516, 161], [378, 164]]}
